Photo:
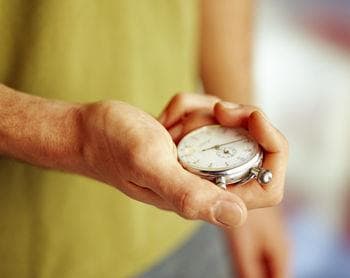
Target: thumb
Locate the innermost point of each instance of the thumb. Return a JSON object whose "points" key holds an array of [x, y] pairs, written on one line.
{"points": [[195, 198], [233, 115]]}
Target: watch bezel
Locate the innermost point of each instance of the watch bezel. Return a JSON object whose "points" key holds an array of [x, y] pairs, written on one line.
{"points": [[232, 175]]}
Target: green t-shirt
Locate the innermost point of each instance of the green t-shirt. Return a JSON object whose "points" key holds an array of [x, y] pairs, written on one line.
{"points": [[142, 52]]}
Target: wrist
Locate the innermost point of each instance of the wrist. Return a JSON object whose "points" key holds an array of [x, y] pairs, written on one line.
{"points": [[38, 131], [62, 141]]}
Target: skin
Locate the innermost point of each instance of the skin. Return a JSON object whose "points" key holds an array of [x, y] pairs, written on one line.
{"points": [[225, 49], [188, 111], [79, 139], [225, 66], [259, 248], [105, 141], [76, 138]]}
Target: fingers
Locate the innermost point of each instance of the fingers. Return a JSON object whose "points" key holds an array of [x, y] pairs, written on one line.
{"points": [[246, 252], [196, 198], [260, 247], [251, 117], [250, 266], [258, 263], [233, 115], [192, 121], [266, 135], [275, 256], [275, 159], [184, 103], [277, 264], [275, 153], [271, 140]]}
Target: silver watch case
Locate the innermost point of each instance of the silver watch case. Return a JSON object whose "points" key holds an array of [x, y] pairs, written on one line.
{"points": [[236, 175]]}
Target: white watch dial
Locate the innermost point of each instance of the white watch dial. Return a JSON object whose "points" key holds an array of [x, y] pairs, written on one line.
{"points": [[217, 148]]}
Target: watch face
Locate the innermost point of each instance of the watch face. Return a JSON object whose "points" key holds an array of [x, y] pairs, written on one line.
{"points": [[217, 148]]}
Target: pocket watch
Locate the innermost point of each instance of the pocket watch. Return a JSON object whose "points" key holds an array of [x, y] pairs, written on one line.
{"points": [[223, 155]]}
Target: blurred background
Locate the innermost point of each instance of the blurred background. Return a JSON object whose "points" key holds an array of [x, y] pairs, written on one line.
{"points": [[302, 81]]}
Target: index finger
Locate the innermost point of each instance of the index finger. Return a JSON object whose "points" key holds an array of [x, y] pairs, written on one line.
{"points": [[275, 154], [183, 103]]}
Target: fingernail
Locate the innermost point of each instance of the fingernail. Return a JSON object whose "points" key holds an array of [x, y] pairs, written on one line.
{"points": [[228, 213], [176, 131], [230, 105], [261, 114]]}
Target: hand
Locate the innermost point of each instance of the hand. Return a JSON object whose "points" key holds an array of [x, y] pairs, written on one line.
{"points": [[128, 149], [260, 248], [115, 143], [186, 112]]}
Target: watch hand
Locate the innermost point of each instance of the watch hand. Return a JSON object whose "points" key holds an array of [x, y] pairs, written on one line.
{"points": [[218, 146]]}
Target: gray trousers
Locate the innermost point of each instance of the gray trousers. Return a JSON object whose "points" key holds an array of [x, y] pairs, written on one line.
{"points": [[204, 255]]}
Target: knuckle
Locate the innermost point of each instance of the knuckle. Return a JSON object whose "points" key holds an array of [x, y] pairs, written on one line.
{"points": [[180, 97], [275, 198], [185, 205], [285, 142]]}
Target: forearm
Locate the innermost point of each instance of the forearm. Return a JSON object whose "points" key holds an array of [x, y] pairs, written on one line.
{"points": [[38, 131], [225, 59]]}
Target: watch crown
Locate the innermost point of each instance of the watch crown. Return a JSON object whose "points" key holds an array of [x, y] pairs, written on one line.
{"points": [[262, 175], [265, 176]]}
